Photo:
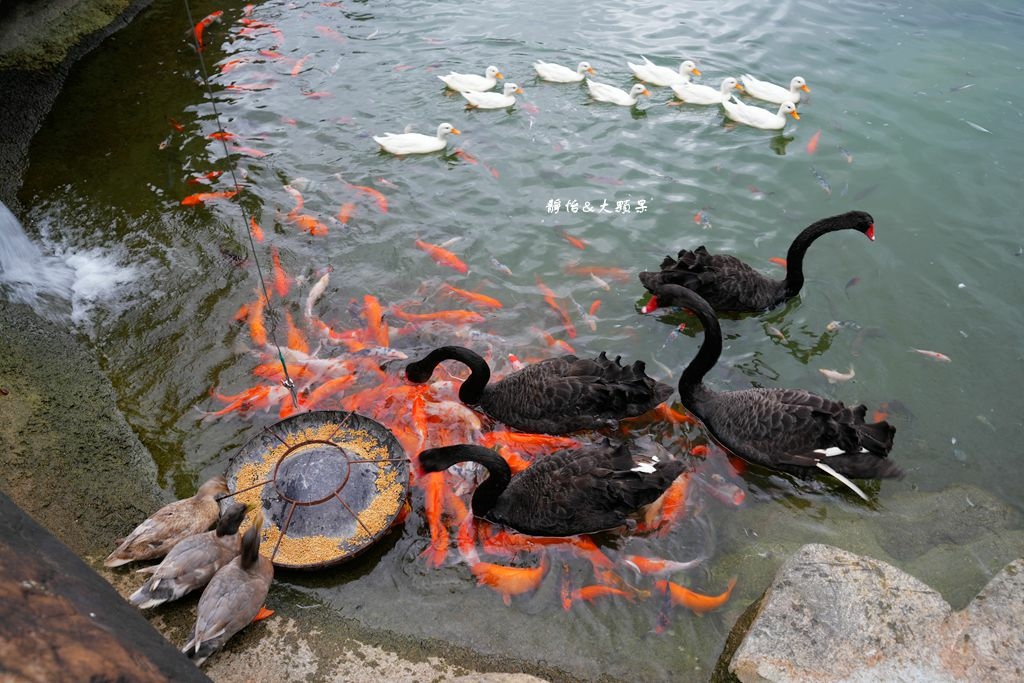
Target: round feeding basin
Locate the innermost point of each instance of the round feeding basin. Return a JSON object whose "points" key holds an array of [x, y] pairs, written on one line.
{"points": [[330, 483]]}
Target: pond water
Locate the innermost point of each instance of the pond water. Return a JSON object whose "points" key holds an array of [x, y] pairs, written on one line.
{"points": [[919, 125]]}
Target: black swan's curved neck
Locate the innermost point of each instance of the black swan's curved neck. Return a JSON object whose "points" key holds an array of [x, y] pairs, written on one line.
{"points": [[472, 389], [710, 348], [795, 256], [499, 475]]}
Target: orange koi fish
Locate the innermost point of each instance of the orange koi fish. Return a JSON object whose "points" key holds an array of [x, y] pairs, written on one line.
{"points": [[175, 125], [202, 24], [209, 175], [655, 566], [281, 285], [299, 201], [554, 343], [382, 201], [231, 65], [242, 401], [433, 503], [299, 64], [591, 593], [273, 371], [419, 421], [566, 589], [328, 32], [531, 444], [509, 581], [257, 231], [443, 257], [934, 355], [812, 144], [257, 328], [665, 511], [248, 151], [778, 260], [309, 224], [724, 490], [465, 156], [272, 54], [249, 87], [620, 274], [200, 197], [243, 314], [550, 300], [296, 341], [466, 541], [220, 135], [594, 306], [574, 241], [326, 390], [694, 601], [345, 212], [474, 297], [375, 325], [516, 462]]}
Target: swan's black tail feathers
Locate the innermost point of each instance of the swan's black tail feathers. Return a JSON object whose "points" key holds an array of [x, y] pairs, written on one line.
{"points": [[877, 437], [643, 488]]}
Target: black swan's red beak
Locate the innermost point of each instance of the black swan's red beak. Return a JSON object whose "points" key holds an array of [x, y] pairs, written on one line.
{"points": [[870, 232]]}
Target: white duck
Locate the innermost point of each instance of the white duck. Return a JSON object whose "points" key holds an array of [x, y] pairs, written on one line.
{"points": [[769, 92], [493, 100], [556, 73], [757, 117], [602, 92], [693, 93], [663, 75], [472, 82], [416, 143]]}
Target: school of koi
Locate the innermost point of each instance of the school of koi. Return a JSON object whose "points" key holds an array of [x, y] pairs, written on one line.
{"points": [[353, 369]]}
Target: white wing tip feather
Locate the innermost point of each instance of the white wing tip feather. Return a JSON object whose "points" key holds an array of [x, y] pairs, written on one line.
{"points": [[856, 489]]}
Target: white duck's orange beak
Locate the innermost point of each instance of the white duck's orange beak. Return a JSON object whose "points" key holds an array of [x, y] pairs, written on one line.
{"points": [[519, 90], [456, 131], [498, 75], [645, 91], [739, 87], [590, 69], [805, 88], [795, 115], [695, 71]]}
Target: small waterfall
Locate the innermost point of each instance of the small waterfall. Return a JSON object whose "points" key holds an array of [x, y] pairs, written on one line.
{"points": [[61, 286], [27, 275]]}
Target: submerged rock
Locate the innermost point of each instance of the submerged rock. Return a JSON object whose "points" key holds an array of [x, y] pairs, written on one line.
{"points": [[830, 615]]}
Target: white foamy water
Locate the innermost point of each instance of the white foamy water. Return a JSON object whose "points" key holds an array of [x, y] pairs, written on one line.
{"points": [[66, 284]]}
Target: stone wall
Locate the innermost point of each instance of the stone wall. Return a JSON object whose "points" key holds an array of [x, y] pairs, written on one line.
{"points": [[39, 41]]}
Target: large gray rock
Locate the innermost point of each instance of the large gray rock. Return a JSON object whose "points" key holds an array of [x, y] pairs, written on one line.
{"points": [[830, 615]]}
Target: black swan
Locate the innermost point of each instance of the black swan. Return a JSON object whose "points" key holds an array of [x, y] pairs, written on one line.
{"points": [[233, 597], [791, 430], [730, 285], [556, 395], [579, 491]]}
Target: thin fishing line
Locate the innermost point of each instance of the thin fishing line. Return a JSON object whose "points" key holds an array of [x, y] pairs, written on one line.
{"points": [[288, 383]]}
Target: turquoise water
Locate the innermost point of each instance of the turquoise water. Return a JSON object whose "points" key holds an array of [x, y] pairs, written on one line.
{"points": [[919, 125]]}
